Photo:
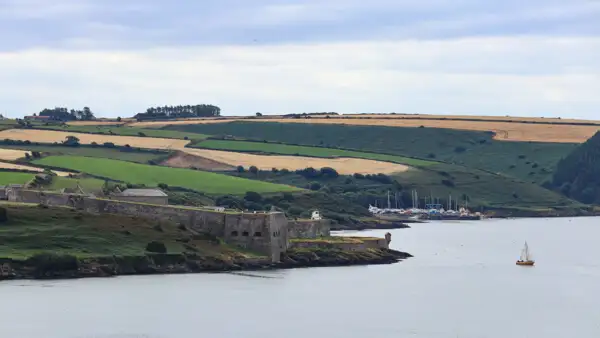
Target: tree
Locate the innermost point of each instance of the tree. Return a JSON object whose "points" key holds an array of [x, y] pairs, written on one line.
{"points": [[259, 114], [119, 119], [240, 169], [252, 196], [329, 172], [156, 247], [72, 141], [253, 169], [314, 186]]}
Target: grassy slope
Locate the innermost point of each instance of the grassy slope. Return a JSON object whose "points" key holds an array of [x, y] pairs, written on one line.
{"points": [[100, 152], [123, 131], [285, 149], [88, 183], [31, 230], [153, 175], [480, 150], [10, 177]]}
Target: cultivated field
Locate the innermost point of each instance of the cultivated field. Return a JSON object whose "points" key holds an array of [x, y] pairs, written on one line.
{"points": [[153, 175], [125, 131], [515, 119], [286, 149], [12, 177], [11, 154], [4, 165], [50, 136], [102, 152], [347, 166], [505, 131], [185, 160]]}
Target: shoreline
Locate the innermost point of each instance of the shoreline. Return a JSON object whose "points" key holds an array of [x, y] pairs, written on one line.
{"points": [[182, 264]]}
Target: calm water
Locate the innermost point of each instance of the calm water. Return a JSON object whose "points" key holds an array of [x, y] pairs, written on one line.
{"points": [[462, 282]]}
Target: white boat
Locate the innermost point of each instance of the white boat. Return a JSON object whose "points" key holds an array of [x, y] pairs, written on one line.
{"points": [[526, 258]]}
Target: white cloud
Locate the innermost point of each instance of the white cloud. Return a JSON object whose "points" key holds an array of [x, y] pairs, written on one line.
{"points": [[512, 75]]}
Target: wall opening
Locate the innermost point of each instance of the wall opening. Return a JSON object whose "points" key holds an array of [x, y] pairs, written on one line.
{"points": [[245, 233], [258, 234], [234, 233]]}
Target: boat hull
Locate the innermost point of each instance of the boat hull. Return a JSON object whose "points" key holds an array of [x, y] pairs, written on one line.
{"points": [[526, 263]]}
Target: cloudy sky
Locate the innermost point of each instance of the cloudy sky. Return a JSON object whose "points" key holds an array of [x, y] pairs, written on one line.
{"points": [[493, 57]]}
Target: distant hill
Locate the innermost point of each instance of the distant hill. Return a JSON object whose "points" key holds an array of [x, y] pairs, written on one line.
{"points": [[578, 175]]}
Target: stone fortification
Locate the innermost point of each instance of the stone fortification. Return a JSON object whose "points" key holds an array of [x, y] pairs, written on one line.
{"points": [[266, 233], [309, 228]]}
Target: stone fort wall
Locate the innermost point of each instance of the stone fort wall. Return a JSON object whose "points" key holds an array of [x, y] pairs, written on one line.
{"points": [[309, 228], [266, 233]]}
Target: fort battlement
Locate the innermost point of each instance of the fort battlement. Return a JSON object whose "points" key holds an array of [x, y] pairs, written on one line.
{"points": [[266, 232]]}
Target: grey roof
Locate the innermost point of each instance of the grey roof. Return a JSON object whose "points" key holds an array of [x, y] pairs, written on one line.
{"points": [[143, 192]]}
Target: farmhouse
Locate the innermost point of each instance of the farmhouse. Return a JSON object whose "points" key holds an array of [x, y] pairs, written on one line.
{"points": [[148, 196]]}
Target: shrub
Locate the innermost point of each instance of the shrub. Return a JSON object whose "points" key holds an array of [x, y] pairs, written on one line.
{"points": [[3, 215], [431, 155], [186, 138], [252, 196], [448, 183], [253, 169], [240, 169], [329, 172], [359, 176], [141, 134], [460, 149], [27, 156], [274, 170], [314, 186], [109, 145], [156, 247]]}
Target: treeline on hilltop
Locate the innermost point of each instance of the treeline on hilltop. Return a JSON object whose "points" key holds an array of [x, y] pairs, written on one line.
{"points": [[173, 112], [64, 114], [578, 175]]}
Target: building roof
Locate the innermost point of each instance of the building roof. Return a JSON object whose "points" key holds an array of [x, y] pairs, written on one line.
{"points": [[143, 192]]}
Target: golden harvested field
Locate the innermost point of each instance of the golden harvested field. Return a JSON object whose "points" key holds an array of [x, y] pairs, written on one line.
{"points": [[505, 131], [463, 117], [158, 124], [345, 166], [11, 154], [50, 136], [95, 123], [4, 165]]}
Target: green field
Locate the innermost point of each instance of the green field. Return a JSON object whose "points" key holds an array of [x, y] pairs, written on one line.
{"points": [[12, 177], [31, 230], [286, 149], [124, 131], [100, 152], [88, 184], [529, 161], [149, 175]]}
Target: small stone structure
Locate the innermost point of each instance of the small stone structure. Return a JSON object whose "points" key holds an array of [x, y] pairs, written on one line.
{"points": [[149, 196], [309, 228]]}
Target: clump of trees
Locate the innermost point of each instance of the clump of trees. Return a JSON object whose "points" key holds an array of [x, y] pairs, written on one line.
{"points": [[172, 112], [64, 114]]}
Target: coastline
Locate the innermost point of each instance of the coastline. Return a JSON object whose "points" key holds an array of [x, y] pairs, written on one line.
{"points": [[189, 263]]}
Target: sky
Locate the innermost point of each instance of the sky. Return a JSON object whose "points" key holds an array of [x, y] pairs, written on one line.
{"points": [[493, 57]]}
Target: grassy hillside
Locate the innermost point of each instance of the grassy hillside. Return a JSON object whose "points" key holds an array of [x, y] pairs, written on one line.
{"points": [[88, 184], [122, 130], [11, 177], [153, 175], [118, 153], [285, 149], [578, 175], [529, 161], [31, 230]]}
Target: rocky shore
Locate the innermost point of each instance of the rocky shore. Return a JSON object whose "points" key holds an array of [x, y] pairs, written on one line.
{"points": [[65, 267]]}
